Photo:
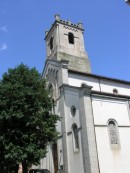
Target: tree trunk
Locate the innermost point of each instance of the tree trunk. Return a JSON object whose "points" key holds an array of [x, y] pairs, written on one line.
{"points": [[24, 167]]}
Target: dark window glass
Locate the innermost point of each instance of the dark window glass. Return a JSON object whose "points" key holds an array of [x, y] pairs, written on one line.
{"points": [[76, 139], [71, 38], [73, 111], [51, 43]]}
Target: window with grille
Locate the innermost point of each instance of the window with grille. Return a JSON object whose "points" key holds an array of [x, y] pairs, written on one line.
{"points": [[113, 133]]}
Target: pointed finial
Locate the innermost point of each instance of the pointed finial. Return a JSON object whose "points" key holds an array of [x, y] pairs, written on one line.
{"points": [[57, 17], [127, 2], [69, 22], [46, 32], [80, 25]]}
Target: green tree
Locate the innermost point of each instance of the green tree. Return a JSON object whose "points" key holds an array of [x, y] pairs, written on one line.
{"points": [[27, 123]]}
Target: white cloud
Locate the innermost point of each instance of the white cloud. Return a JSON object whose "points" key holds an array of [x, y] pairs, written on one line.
{"points": [[3, 46], [4, 28]]}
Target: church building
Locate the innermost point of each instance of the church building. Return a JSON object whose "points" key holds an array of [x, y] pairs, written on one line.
{"points": [[94, 131]]}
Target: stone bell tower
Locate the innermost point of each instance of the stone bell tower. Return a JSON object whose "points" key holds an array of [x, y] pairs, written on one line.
{"points": [[64, 41]]}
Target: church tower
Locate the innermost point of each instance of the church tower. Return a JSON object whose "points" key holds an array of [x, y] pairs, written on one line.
{"points": [[94, 131], [64, 41]]}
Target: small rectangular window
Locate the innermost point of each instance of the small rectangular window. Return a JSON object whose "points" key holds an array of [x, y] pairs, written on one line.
{"points": [[71, 38]]}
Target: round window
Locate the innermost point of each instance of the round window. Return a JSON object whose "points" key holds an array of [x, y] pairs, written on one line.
{"points": [[73, 111]]}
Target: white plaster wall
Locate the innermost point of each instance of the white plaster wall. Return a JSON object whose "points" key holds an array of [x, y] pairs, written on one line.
{"points": [[107, 86], [105, 109], [78, 80], [102, 85], [113, 161]]}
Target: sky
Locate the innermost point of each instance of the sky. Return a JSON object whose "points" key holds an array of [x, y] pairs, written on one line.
{"points": [[107, 33]]}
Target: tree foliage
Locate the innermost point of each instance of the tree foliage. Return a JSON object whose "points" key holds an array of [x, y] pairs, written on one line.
{"points": [[27, 123]]}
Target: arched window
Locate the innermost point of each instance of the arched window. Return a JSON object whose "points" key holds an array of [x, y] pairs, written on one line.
{"points": [[51, 43], [75, 137], [56, 74], [50, 89], [53, 105], [113, 133], [71, 38]]}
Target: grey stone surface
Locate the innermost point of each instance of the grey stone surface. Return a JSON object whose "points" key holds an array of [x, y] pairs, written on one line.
{"points": [[81, 64], [64, 134], [88, 135], [63, 50], [67, 92]]}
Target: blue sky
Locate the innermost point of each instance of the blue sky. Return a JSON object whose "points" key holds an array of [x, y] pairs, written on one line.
{"points": [[107, 33]]}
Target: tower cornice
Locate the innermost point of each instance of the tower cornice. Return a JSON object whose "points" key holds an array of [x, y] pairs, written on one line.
{"points": [[68, 23]]}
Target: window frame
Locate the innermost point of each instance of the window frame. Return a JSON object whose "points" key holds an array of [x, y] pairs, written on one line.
{"points": [[113, 134], [71, 38], [51, 89], [73, 111], [75, 137]]}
